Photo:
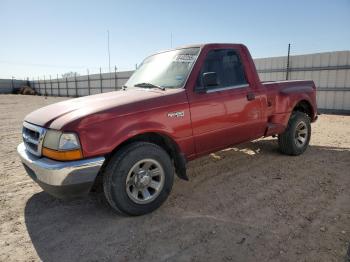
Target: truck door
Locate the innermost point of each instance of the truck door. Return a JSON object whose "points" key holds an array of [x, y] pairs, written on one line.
{"points": [[227, 113]]}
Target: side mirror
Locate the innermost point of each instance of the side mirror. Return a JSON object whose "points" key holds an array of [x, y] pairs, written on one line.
{"points": [[210, 79]]}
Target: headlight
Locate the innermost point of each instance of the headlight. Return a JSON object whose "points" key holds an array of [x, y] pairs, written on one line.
{"points": [[61, 146]]}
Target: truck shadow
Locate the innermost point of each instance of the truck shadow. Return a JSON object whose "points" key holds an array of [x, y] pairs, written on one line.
{"points": [[87, 229]]}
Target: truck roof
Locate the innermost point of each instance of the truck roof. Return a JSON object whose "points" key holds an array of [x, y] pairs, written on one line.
{"points": [[206, 44], [198, 45]]}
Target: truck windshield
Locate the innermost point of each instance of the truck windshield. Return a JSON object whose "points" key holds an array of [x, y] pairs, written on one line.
{"points": [[168, 69]]}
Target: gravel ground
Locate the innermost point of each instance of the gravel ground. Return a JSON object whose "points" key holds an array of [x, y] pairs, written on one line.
{"points": [[247, 203]]}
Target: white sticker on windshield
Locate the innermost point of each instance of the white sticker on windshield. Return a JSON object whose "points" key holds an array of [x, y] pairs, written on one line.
{"points": [[179, 77], [187, 58]]}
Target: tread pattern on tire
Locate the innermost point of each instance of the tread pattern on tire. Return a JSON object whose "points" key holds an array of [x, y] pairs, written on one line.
{"points": [[286, 141], [112, 165]]}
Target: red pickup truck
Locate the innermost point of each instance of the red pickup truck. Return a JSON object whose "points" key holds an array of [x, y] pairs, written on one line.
{"points": [[177, 106]]}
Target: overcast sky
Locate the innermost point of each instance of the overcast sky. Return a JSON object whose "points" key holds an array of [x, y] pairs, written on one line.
{"points": [[53, 37]]}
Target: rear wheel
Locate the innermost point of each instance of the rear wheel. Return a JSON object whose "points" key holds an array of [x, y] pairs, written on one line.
{"points": [[138, 178], [296, 137]]}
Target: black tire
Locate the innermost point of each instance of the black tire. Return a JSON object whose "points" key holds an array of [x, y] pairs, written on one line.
{"points": [[287, 141], [116, 173], [347, 257]]}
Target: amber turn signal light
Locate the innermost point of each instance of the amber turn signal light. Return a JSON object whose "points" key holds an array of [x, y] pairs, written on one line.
{"points": [[62, 155]]}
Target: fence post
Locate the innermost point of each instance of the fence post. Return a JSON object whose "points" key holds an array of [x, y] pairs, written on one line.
{"points": [[45, 86], [100, 79], [287, 73], [58, 87], [67, 87], [12, 85], [88, 78], [76, 84], [39, 86], [115, 77], [51, 86]]}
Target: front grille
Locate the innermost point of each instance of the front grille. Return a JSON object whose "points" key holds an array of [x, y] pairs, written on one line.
{"points": [[33, 137]]}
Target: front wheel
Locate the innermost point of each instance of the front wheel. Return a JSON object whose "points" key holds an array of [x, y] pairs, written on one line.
{"points": [[138, 178], [295, 139]]}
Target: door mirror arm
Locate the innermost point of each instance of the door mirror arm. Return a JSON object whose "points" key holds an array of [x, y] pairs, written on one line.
{"points": [[201, 90], [209, 80]]}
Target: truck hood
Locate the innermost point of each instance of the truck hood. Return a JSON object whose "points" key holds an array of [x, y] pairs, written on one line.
{"points": [[55, 116]]}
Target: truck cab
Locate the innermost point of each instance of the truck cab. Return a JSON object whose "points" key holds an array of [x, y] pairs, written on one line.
{"points": [[227, 99]]}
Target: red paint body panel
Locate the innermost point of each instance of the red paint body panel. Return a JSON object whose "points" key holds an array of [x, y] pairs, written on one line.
{"points": [[211, 121]]}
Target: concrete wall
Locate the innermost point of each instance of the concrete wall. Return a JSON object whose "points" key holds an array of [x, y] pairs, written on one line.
{"points": [[330, 71]]}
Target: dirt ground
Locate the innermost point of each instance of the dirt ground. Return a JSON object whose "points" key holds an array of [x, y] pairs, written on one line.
{"points": [[247, 203]]}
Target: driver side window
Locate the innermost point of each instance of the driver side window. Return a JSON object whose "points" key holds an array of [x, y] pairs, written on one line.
{"points": [[227, 66]]}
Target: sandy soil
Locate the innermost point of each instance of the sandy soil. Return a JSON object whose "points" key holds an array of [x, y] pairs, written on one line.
{"points": [[248, 203]]}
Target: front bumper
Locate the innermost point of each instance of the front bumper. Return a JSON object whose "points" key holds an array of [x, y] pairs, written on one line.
{"points": [[63, 180]]}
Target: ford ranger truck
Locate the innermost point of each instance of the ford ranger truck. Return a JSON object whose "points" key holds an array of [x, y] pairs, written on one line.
{"points": [[177, 106]]}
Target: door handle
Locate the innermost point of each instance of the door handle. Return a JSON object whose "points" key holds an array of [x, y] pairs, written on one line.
{"points": [[250, 96]]}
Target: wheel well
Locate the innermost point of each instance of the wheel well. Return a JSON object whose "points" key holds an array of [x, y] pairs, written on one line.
{"points": [[168, 144], [161, 140], [305, 107]]}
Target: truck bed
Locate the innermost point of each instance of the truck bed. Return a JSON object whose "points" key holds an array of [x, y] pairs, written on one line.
{"points": [[282, 97]]}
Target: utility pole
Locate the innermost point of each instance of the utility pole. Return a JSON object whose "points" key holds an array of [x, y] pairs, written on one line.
{"points": [[109, 62], [287, 73], [109, 52], [171, 40]]}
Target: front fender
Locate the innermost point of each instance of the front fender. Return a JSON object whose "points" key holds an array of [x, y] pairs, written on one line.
{"points": [[102, 137]]}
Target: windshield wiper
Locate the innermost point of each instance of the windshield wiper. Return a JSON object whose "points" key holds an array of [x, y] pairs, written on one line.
{"points": [[149, 85]]}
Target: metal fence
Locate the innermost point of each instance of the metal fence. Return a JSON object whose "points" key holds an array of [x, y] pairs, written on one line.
{"points": [[9, 86], [81, 85], [330, 71]]}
